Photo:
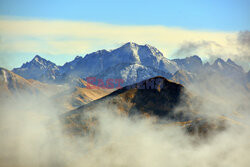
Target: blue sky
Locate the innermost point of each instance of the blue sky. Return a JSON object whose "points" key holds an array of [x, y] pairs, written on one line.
{"points": [[59, 30], [227, 15]]}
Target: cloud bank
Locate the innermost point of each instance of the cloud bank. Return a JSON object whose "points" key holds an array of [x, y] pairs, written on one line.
{"points": [[32, 135], [63, 40]]}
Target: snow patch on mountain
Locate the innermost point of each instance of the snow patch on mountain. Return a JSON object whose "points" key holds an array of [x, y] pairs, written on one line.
{"points": [[131, 73]]}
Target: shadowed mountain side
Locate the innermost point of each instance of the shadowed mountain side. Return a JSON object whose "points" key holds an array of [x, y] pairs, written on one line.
{"points": [[156, 97], [153, 96]]}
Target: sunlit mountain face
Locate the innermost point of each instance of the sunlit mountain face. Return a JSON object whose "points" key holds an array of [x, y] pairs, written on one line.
{"points": [[124, 83]]}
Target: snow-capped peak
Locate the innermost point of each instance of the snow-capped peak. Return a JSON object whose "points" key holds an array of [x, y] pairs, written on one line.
{"points": [[37, 58], [130, 44], [37, 68]]}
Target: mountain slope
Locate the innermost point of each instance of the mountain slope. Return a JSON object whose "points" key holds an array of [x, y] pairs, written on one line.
{"points": [[79, 95], [156, 97], [38, 69], [11, 83], [66, 98]]}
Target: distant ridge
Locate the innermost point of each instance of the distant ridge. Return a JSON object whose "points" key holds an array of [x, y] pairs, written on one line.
{"points": [[132, 63]]}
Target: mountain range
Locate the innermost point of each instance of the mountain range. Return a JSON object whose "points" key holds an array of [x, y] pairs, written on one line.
{"points": [[130, 62]]}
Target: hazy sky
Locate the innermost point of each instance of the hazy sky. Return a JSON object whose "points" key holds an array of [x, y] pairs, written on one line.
{"points": [[60, 30]]}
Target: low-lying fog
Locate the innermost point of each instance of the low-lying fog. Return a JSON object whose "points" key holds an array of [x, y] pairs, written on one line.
{"points": [[32, 135]]}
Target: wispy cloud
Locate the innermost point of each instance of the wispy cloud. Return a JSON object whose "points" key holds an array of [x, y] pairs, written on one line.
{"points": [[73, 37], [236, 48]]}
